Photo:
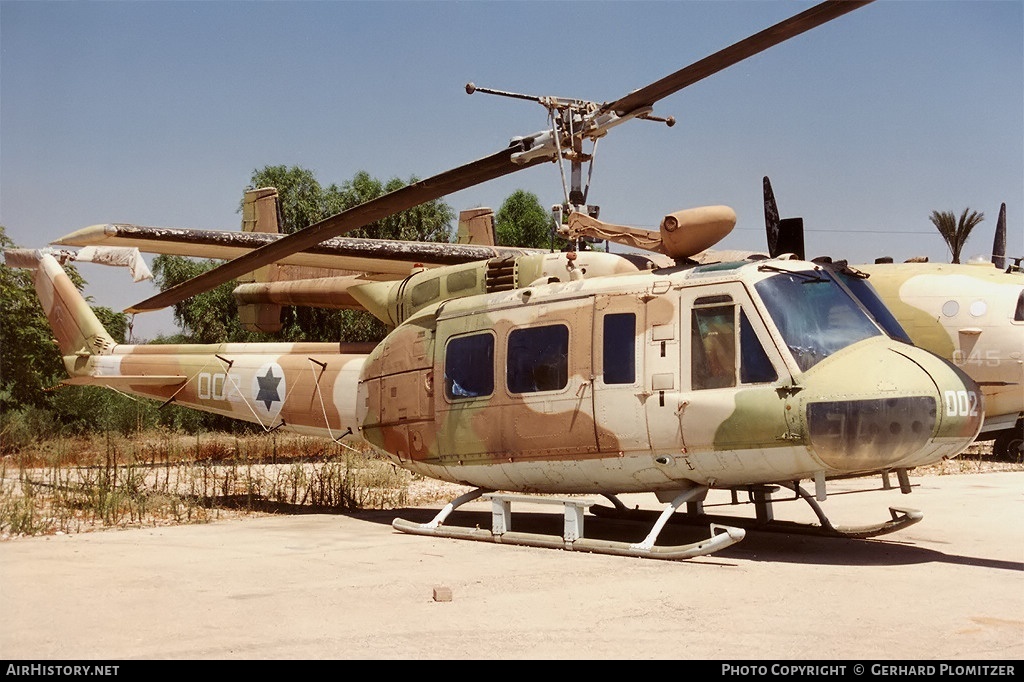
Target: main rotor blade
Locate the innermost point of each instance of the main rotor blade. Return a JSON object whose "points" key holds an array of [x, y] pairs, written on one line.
{"points": [[773, 35], [494, 166], [474, 173]]}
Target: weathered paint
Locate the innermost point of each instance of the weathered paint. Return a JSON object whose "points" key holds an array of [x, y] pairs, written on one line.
{"points": [[590, 424]]}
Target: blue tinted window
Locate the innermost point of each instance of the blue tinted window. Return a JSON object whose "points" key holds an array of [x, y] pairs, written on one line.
{"points": [[755, 367], [469, 366], [619, 348], [538, 359]]}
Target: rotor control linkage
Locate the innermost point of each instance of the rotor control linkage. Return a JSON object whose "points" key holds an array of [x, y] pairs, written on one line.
{"points": [[563, 103]]}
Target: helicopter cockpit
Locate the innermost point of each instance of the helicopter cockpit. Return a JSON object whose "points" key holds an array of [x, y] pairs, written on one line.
{"points": [[815, 317]]}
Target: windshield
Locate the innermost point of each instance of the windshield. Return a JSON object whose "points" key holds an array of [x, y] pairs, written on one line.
{"points": [[862, 289], [815, 316]]}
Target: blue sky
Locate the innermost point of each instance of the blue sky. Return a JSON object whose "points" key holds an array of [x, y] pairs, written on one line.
{"points": [[157, 113]]}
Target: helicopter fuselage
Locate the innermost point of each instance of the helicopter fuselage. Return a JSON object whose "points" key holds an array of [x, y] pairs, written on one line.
{"points": [[722, 375]]}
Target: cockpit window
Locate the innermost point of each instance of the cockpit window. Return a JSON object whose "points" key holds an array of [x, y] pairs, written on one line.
{"points": [[862, 289], [1018, 314], [755, 367], [713, 350], [713, 346], [815, 316]]}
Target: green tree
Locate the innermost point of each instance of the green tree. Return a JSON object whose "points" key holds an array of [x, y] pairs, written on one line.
{"points": [[428, 222], [303, 200], [208, 317], [29, 360], [522, 221], [33, 402], [955, 232], [212, 316]]}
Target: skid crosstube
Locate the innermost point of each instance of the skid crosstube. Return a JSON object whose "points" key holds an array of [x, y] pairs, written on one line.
{"points": [[900, 517], [572, 537]]}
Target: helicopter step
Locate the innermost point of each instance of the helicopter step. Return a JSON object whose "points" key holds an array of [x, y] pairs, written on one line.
{"points": [[572, 538], [764, 520]]}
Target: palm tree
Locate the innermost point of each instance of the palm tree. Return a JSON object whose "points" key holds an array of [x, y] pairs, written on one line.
{"points": [[954, 231]]}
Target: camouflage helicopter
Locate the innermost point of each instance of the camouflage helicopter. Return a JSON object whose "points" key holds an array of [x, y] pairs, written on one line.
{"points": [[969, 313], [525, 373]]}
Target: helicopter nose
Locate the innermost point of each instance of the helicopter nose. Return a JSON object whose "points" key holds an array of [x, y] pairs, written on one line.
{"points": [[899, 409]]}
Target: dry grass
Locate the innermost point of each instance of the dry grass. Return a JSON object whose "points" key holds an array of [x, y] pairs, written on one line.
{"points": [[92, 483], [104, 482], [976, 459]]}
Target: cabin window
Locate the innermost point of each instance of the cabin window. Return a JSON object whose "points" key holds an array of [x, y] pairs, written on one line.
{"points": [[713, 350], [713, 347], [469, 366], [619, 348], [538, 359]]}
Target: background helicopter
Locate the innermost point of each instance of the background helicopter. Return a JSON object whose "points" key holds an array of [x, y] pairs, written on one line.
{"points": [[576, 372], [969, 313]]}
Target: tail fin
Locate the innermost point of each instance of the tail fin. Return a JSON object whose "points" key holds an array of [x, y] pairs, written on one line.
{"points": [[771, 218], [476, 226], [999, 242], [785, 235], [261, 212], [77, 329]]}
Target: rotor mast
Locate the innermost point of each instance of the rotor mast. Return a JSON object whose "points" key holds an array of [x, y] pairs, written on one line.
{"points": [[571, 121]]}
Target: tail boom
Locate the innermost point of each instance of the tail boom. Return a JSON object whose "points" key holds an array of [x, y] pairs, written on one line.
{"points": [[304, 387]]}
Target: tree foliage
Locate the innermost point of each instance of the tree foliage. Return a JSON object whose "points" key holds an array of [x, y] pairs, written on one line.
{"points": [[30, 363], [212, 316], [33, 402], [428, 222], [955, 232], [522, 221], [209, 317]]}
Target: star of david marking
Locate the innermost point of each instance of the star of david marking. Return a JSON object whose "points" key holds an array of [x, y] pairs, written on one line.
{"points": [[268, 388]]}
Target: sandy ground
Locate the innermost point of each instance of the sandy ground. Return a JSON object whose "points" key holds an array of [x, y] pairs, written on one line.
{"points": [[351, 587]]}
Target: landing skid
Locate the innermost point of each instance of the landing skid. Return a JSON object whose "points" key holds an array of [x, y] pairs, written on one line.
{"points": [[572, 539], [900, 517]]}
